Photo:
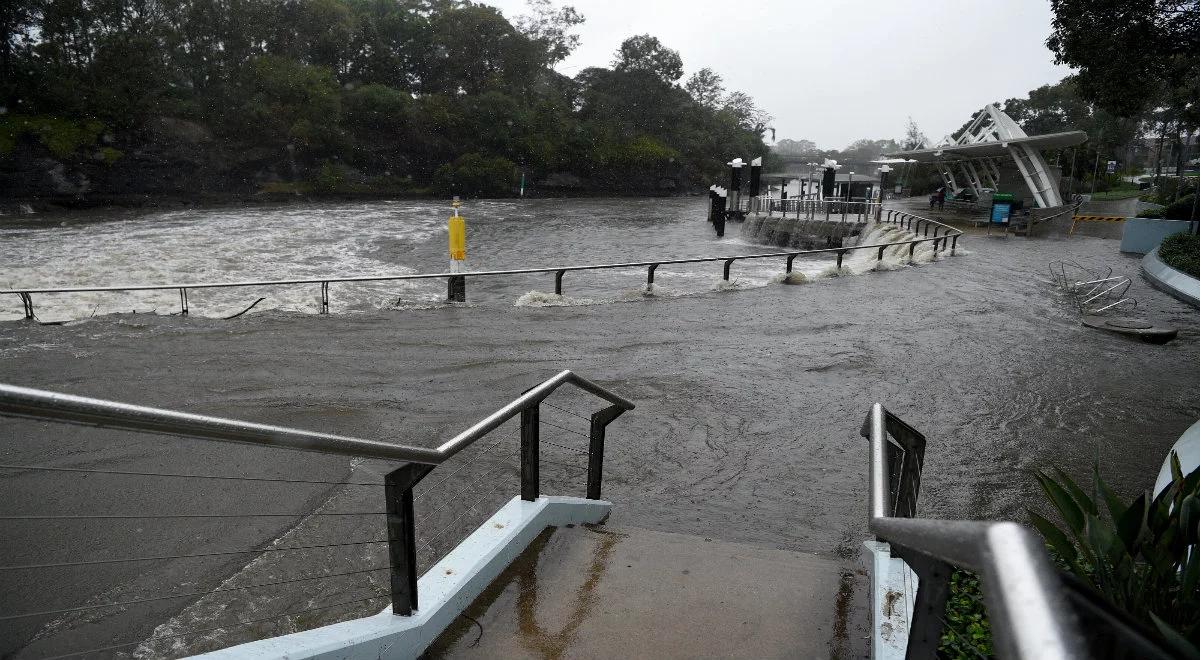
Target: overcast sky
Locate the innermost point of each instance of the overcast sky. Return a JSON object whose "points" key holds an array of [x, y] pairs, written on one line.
{"points": [[833, 71]]}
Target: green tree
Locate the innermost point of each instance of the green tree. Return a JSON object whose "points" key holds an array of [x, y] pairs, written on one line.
{"points": [[646, 53], [706, 88], [1128, 52]]}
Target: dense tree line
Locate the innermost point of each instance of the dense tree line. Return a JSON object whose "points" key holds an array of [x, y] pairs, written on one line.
{"points": [[387, 95]]}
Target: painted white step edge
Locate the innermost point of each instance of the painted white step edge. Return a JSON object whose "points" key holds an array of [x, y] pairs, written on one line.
{"points": [[443, 592]]}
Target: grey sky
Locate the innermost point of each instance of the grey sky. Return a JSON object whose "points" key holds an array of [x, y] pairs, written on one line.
{"points": [[833, 71]]}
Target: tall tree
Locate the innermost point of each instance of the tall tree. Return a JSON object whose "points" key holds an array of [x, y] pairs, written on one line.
{"points": [[1128, 52], [706, 88], [646, 53]]}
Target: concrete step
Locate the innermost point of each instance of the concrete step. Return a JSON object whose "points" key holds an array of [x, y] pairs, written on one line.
{"points": [[604, 592]]}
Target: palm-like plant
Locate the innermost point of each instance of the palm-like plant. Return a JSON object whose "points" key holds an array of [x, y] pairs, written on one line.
{"points": [[1142, 557]]}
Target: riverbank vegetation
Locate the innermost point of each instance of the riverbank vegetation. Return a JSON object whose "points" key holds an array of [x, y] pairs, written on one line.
{"points": [[185, 97]]}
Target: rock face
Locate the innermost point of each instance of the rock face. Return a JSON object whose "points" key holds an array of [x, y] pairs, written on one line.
{"points": [[167, 157]]}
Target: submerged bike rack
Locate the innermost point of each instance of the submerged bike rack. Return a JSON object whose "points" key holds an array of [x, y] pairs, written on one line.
{"points": [[1093, 292]]}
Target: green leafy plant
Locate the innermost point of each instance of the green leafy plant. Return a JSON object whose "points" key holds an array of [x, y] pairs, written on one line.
{"points": [[1141, 556], [1181, 252], [967, 633]]}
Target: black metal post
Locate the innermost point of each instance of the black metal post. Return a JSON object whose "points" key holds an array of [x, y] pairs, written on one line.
{"points": [[530, 428], [183, 306], [728, 263], [650, 274], [953, 244], [595, 473], [402, 535], [933, 577], [791, 258], [324, 298], [839, 262], [456, 288], [558, 275]]}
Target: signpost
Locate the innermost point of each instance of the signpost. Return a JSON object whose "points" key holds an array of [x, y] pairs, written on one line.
{"points": [[1002, 204]]}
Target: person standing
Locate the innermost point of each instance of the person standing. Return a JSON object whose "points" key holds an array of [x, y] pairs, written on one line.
{"points": [[941, 198]]}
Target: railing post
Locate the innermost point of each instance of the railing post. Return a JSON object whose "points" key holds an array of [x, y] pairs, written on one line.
{"points": [[183, 307], [402, 535], [530, 428], [953, 244], [839, 261], [881, 247], [926, 234], [595, 472], [324, 297], [933, 587], [728, 263], [27, 301], [456, 288], [650, 275], [911, 247], [790, 259], [558, 275]]}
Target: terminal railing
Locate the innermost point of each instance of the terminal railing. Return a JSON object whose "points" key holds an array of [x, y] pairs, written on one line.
{"points": [[1035, 611], [410, 465], [943, 236]]}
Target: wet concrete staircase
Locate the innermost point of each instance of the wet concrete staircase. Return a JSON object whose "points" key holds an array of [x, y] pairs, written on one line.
{"points": [[598, 591]]}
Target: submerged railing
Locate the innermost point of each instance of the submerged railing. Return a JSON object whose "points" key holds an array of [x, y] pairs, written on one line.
{"points": [[942, 235], [1035, 612], [396, 490]]}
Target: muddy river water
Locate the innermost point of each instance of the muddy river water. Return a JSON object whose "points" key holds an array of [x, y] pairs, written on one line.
{"points": [[749, 398]]}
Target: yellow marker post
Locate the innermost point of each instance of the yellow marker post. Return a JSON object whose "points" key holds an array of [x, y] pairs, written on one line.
{"points": [[457, 225]]}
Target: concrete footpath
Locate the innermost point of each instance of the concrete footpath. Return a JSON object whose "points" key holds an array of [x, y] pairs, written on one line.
{"points": [[625, 592]]}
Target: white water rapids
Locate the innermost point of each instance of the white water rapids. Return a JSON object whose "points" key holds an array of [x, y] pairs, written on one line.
{"points": [[303, 241]]}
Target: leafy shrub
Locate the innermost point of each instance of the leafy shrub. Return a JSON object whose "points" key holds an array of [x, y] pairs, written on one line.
{"points": [[1143, 557], [1181, 210], [967, 633], [62, 137], [1181, 252], [1153, 213], [476, 175]]}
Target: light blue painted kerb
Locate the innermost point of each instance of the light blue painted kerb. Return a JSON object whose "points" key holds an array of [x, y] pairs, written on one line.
{"points": [[444, 592], [1163, 277], [893, 596], [1141, 235]]}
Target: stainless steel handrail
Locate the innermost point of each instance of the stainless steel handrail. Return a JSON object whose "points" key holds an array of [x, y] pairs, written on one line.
{"points": [[1029, 615], [42, 404]]}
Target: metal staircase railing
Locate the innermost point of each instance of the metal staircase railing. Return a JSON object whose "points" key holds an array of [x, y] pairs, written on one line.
{"points": [[398, 483], [1035, 612]]}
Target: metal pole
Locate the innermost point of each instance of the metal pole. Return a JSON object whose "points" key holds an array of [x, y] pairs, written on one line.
{"points": [[530, 428]]}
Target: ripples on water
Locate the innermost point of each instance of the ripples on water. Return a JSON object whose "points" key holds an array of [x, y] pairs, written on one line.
{"points": [[302, 241]]}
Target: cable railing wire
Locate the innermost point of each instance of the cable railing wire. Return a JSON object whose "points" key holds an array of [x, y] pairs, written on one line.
{"points": [[93, 562], [569, 412], [172, 516], [561, 428], [246, 622], [193, 594], [46, 468]]}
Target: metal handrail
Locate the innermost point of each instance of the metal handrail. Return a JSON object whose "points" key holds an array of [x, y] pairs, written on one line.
{"points": [[417, 462], [1029, 615], [939, 243], [41, 404]]}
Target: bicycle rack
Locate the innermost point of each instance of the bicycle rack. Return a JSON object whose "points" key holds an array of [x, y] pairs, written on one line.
{"points": [[1093, 292]]}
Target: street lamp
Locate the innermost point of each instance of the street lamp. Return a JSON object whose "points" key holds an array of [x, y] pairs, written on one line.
{"points": [[883, 175], [849, 183]]}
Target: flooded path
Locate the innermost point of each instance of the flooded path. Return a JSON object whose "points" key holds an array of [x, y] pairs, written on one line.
{"points": [[749, 401]]}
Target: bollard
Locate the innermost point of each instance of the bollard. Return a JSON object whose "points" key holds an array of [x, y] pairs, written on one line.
{"points": [[456, 288], [558, 275]]}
